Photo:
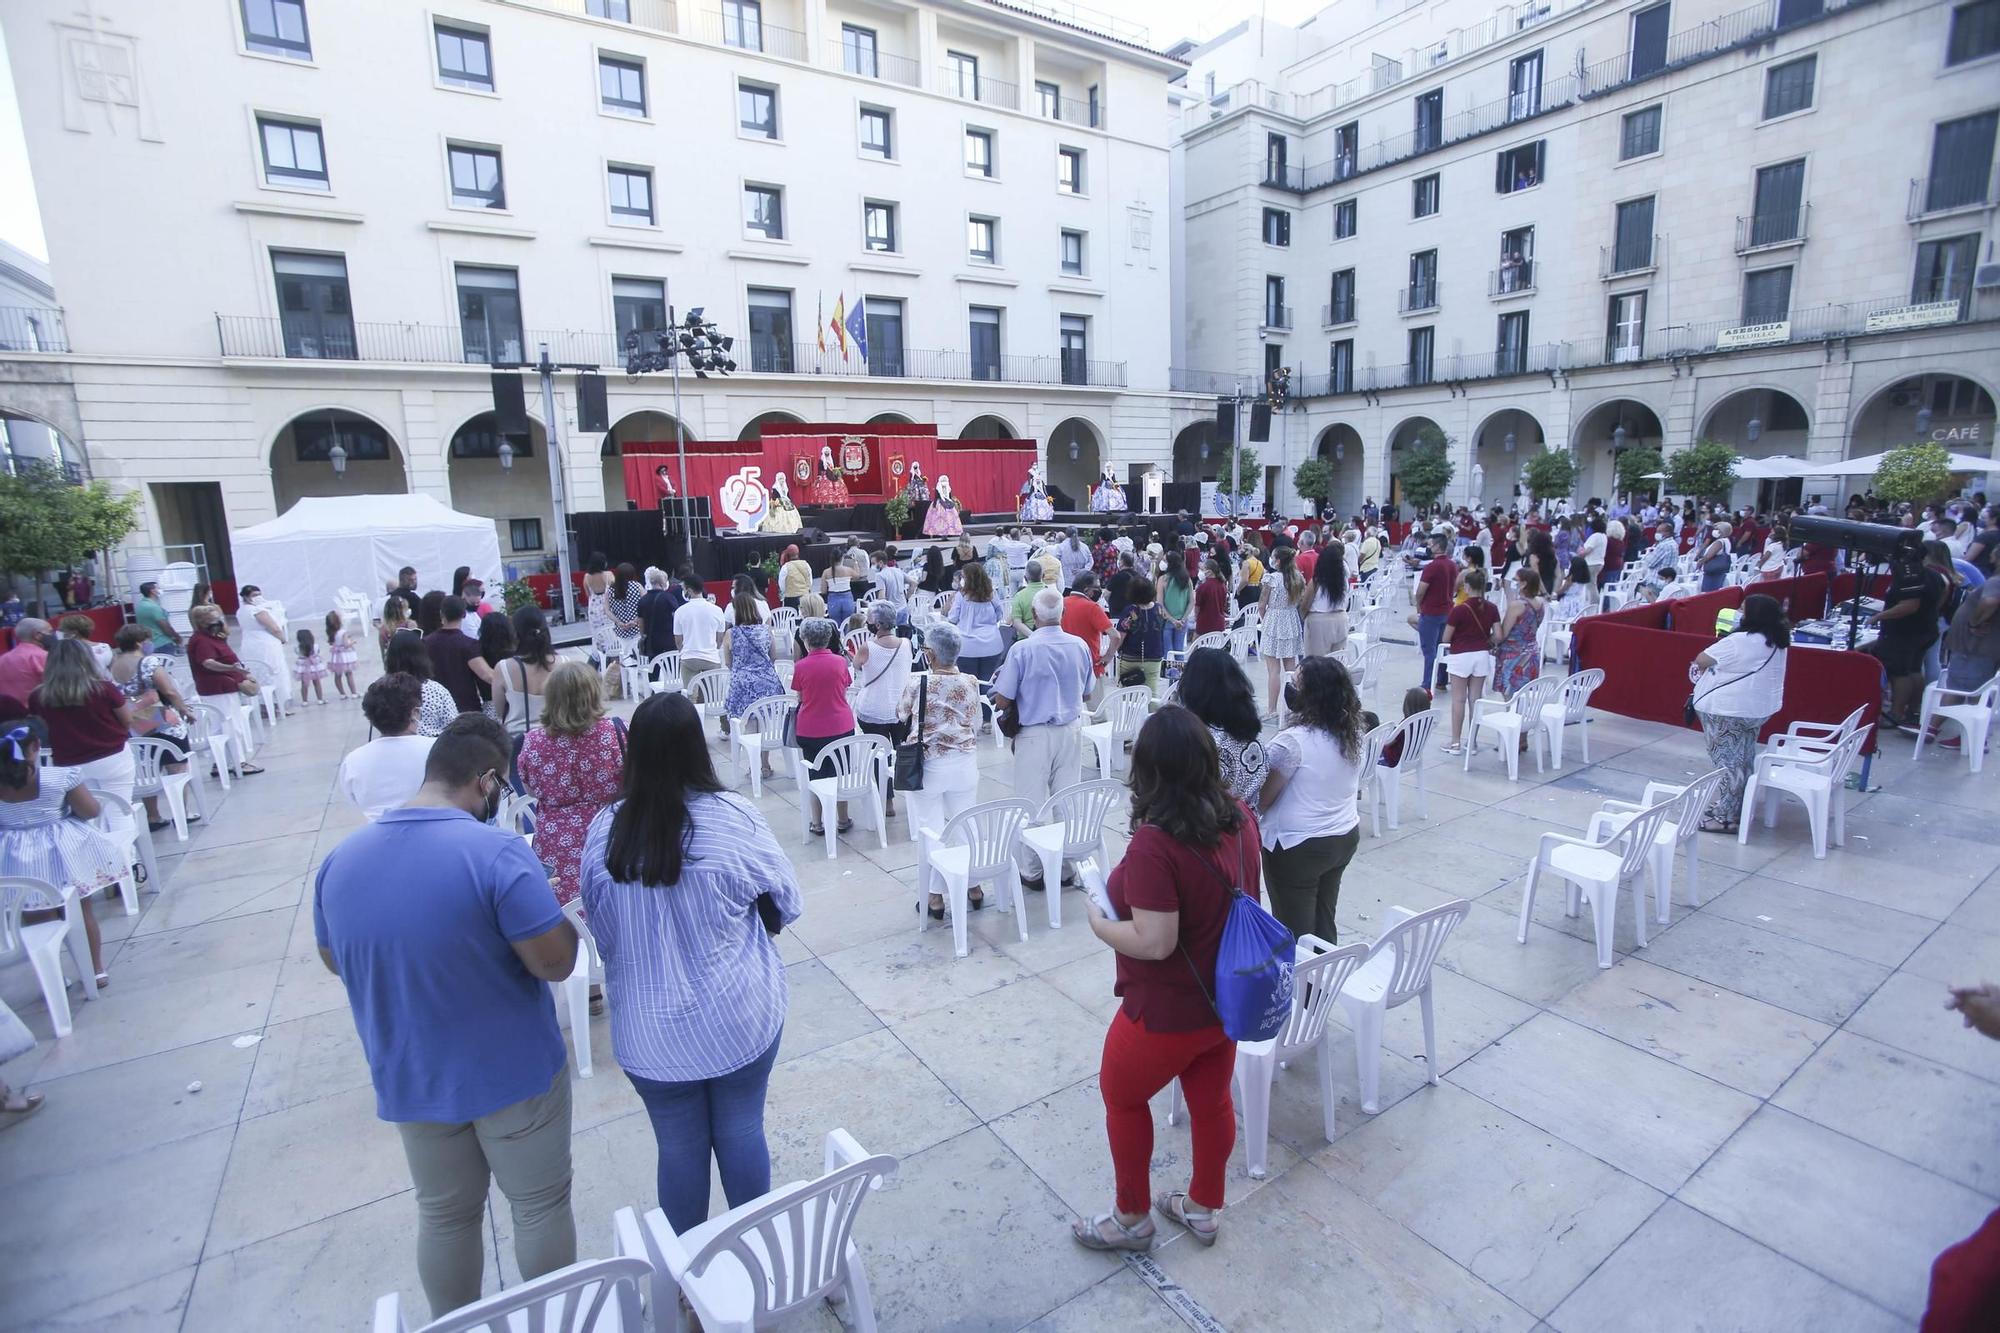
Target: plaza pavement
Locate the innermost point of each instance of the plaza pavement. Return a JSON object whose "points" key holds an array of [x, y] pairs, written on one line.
{"points": [[1765, 1120]]}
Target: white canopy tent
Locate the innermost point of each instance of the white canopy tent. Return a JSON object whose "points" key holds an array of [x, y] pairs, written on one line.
{"points": [[1865, 466], [306, 555]]}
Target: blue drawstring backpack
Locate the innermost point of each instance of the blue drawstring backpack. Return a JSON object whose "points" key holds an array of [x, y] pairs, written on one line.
{"points": [[1253, 965]]}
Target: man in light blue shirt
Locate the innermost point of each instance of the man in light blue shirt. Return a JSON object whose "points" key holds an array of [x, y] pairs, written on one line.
{"points": [[446, 934], [1044, 679]]}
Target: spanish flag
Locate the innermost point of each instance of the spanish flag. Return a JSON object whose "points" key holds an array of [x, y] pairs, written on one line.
{"points": [[840, 323]]}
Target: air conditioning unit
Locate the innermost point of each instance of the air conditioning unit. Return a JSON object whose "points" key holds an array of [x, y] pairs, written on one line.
{"points": [[1986, 277]]}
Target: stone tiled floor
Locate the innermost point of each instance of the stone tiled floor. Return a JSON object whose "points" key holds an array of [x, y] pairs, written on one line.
{"points": [[1763, 1120]]}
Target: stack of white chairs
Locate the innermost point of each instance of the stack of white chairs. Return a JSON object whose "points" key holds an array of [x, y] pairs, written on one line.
{"points": [[976, 846], [43, 942], [1598, 866], [1970, 710], [1817, 778]]}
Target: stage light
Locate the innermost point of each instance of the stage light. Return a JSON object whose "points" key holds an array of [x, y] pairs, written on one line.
{"points": [[338, 457], [694, 317]]}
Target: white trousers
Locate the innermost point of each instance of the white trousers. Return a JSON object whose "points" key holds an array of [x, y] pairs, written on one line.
{"points": [[951, 786]]}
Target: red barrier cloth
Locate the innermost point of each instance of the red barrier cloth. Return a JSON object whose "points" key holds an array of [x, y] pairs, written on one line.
{"points": [[105, 622], [1696, 614], [1803, 598], [1842, 587], [1646, 615]]}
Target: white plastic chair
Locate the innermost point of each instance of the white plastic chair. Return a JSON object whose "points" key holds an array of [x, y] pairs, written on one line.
{"points": [[1114, 724], [116, 821], [576, 986], [976, 846], [634, 681], [1509, 720], [1571, 708], [760, 731], [1815, 738], [265, 703], [663, 673], [1972, 710], [855, 769], [1597, 867], [784, 623], [43, 941], [150, 778], [1684, 828], [1070, 827], [1397, 970], [589, 1296], [853, 639], [1817, 781], [710, 692], [1215, 638], [1318, 976], [757, 1264], [517, 813], [1382, 784], [217, 731]]}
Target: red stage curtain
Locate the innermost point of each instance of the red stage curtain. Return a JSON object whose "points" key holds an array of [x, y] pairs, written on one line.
{"points": [[987, 475], [709, 464]]}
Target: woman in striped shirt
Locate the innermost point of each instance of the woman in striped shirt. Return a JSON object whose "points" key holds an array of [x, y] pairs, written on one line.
{"points": [[685, 887]]}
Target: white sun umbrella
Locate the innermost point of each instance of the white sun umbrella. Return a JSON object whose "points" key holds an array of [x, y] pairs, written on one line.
{"points": [[1865, 466]]}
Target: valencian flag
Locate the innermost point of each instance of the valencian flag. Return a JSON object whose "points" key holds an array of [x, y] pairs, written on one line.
{"points": [[819, 321], [840, 323], [857, 326]]}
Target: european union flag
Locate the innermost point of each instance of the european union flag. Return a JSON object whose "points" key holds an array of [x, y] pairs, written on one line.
{"points": [[857, 326]]}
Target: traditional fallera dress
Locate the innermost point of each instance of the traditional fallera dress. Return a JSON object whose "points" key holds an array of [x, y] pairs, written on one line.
{"points": [[341, 651], [828, 490], [942, 520], [782, 518], [917, 491], [1108, 498], [1035, 504]]}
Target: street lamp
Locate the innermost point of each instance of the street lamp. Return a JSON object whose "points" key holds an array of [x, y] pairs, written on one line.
{"points": [[1507, 442], [1924, 420], [337, 456], [1752, 429], [506, 455]]}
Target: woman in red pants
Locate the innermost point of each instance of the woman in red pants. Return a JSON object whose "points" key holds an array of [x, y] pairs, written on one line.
{"points": [[1192, 842]]}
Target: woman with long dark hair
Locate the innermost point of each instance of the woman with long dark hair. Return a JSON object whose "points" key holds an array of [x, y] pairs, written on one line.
{"points": [[1739, 682], [1192, 844], [496, 645], [430, 612], [936, 577], [1326, 606], [1312, 818], [1215, 688], [407, 653], [672, 876]]}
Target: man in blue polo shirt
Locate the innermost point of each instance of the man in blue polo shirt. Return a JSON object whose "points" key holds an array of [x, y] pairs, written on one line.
{"points": [[1044, 680], [446, 935]]}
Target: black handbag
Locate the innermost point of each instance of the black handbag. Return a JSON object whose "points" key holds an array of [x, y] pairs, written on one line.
{"points": [[910, 754]]}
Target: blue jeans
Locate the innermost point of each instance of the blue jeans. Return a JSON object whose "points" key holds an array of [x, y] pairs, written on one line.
{"points": [[839, 606], [723, 1116], [1174, 638], [1430, 630]]}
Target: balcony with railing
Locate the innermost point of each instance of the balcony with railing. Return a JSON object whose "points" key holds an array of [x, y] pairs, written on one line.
{"points": [[1335, 313], [1772, 228], [747, 31], [1277, 317], [954, 82], [1516, 278], [1069, 110], [1183, 380], [1418, 296], [657, 15], [874, 64], [1952, 187], [32, 329], [1629, 258]]}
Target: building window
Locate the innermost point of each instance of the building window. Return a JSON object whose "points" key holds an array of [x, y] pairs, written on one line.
{"points": [[1340, 367], [1072, 253], [1075, 349], [979, 152], [764, 211], [1275, 153], [1632, 246], [1430, 121], [883, 320], [1274, 357], [1346, 150], [1517, 261], [638, 305], [632, 194], [1767, 296], [1421, 343], [1626, 340], [743, 24], [876, 137], [1789, 87], [1639, 133], [1519, 168], [878, 227], [770, 331], [1277, 227], [1975, 32], [962, 75], [1048, 100], [1777, 210], [1424, 191], [277, 28], [1510, 349], [475, 177], [524, 534], [857, 51], [1961, 162], [982, 240], [1649, 40], [294, 153], [984, 337], [1341, 309], [1069, 170], [489, 315], [1524, 86], [621, 85], [481, 436], [1944, 269], [757, 110], [465, 57], [1275, 314], [1345, 215], [1423, 290], [313, 306], [618, 10]]}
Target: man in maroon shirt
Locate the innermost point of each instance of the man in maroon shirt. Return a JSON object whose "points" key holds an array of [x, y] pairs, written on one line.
{"points": [[455, 660], [1435, 587]]}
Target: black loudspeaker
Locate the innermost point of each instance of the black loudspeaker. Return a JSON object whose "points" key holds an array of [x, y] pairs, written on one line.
{"points": [[1225, 418], [591, 412], [510, 405], [1260, 423], [1879, 539]]}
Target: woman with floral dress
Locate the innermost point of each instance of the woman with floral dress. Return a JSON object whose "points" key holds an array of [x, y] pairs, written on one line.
{"points": [[747, 654], [1518, 659], [573, 764], [158, 711]]}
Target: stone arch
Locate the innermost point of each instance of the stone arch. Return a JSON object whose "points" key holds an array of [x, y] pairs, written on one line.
{"points": [[1596, 440], [1499, 446], [889, 419], [648, 425], [753, 429], [479, 484], [300, 455], [1760, 421], [1340, 445], [1075, 457], [1196, 447], [26, 437], [987, 426], [1943, 407]]}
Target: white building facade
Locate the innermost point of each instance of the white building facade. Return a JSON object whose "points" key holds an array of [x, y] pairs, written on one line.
{"points": [[1595, 224], [279, 225]]}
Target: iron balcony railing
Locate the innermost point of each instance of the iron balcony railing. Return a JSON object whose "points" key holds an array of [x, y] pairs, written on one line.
{"points": [[1614, 261], [1070, 110], [1281, 177], [954, 82], [1336, 313], [32, 329], [658, 15], [1182, 380], [444, 344], [1511, 279], [875, 65], [1778, 226], [1415, 296], [1950, 186], [745, 34], [1277, 317]]}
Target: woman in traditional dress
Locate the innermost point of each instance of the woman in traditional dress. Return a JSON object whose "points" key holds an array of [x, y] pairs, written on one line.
{"points": [[1109, 497], [1035, 504], [943, 520], [917, 491], [781, 518], [829, 488]]}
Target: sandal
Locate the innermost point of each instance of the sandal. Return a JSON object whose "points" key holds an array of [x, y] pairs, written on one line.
{"points": [[844, 826], [817, 830], [1715, 826], [248, 771], [937, 908], [30, 1102], [1174, 1206], [1089, 1233], [977, 903]]}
